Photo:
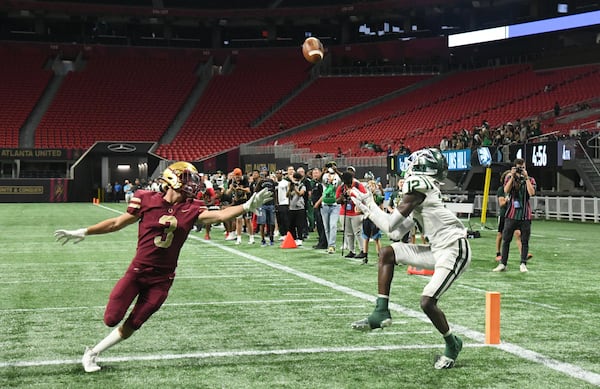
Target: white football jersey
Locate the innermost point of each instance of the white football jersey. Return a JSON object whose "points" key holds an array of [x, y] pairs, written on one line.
{"points": [[439, 224]]}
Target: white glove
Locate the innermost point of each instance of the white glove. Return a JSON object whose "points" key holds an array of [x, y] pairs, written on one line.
{"points": [[396, 235], [362, 207], [257, 200], [63, 236], [363, 201]]}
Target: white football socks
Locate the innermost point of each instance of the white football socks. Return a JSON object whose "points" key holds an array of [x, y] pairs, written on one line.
{"points": [[111, 339]]}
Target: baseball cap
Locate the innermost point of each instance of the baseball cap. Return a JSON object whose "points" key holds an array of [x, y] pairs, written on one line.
{"points": [[237, 172], [351, 169]]}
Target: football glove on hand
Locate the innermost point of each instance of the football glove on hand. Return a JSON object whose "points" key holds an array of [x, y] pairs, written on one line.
{"points": [[360, 206], [396, 235], [63, 236], [362, 201], [257, 200]]}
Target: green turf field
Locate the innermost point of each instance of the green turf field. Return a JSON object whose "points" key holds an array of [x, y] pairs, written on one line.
{"points": [[253, 317]]}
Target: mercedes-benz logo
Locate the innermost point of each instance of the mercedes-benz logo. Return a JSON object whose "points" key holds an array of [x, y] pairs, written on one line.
{"points": [[122, 148]]}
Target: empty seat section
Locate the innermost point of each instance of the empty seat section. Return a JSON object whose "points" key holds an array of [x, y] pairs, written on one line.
{"points": [[120, 95], [222, 118], [329, 95], [22, 82]]}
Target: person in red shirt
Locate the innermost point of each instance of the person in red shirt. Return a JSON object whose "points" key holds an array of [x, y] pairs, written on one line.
{"points": [[351, 219], [165, 221], [209, 198]]}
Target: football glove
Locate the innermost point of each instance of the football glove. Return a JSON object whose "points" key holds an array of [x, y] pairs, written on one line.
{"points": [[257, 200], [63, 236], [363, 201]]}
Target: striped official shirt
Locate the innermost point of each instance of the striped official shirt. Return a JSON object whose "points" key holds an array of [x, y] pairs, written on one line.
{"points": [[518, 207]]}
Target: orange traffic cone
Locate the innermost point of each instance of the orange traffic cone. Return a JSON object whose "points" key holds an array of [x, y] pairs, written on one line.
{"points": [[288, 242], [417, 271]]}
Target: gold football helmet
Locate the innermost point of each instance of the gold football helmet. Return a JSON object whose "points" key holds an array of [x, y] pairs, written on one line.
{"points": [[182, 177]]}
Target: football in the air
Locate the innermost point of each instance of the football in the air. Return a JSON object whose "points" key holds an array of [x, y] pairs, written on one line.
{"points": [[312, 49]]}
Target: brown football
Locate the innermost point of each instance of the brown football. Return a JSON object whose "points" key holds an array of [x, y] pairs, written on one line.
{"points": [[312, 49]]}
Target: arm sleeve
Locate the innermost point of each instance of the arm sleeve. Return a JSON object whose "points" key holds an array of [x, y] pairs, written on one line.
{"points": [[390, 222]]}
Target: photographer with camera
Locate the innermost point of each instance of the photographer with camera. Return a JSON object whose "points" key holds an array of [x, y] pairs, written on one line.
{"points": [[330, 209], [519, 187], [297, 209], [239, 189], [351, 218], [282, 207], [266, 215]]}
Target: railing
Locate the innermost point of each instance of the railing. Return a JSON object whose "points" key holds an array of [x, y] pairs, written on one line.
{"points": [[555, 207], [378, 70]]}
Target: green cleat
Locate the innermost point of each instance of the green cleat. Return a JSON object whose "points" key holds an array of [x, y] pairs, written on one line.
{"points": [[378, 319]]}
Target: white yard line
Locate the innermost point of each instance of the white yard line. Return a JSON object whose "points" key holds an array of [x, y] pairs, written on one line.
{"points": [[226, 354], [548, 306], [241, 302], [542, 305]]}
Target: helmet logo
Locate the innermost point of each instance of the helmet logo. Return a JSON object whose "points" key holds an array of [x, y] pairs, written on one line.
{"points": [[429, 162], [182, 177]]}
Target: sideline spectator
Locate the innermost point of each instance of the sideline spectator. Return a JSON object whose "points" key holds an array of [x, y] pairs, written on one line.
{"points": [[502, 205], [266, 215], [128, 190], [108, 191], [117, 191], [330, 210], [351, 219], [317, 199], [239, 189], [297, 211], [519, 187]]}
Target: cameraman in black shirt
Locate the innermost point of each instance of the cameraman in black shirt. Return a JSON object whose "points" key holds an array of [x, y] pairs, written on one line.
{"points": [[317, 199]]}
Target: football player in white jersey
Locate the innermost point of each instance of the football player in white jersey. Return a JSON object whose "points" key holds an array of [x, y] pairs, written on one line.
{"points": [[448, 251]]}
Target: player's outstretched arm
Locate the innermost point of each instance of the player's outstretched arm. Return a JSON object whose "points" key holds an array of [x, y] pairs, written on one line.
{"points": [[105, 226], [386, 222], [254, 202]]}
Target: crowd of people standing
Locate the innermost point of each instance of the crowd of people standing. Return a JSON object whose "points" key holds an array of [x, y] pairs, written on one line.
{"points": [[306, 202]]}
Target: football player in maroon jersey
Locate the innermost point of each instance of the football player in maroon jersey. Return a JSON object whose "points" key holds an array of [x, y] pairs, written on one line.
{"points": [[165, 220]]}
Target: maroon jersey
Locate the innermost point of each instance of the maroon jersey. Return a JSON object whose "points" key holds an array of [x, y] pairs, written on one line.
{"points": [[163, 228]]}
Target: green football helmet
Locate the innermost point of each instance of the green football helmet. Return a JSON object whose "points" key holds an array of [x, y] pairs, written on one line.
{"points": [[428, 162]]}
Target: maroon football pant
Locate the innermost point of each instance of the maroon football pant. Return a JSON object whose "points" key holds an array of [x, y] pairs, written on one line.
{"points": [[149, 285]]}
